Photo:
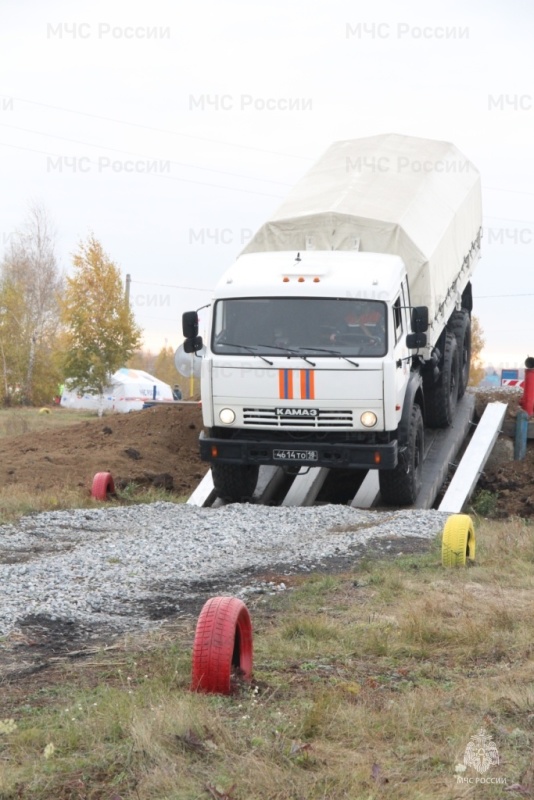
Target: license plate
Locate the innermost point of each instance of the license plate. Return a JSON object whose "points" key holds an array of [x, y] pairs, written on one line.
{"points": [[296, 455]]}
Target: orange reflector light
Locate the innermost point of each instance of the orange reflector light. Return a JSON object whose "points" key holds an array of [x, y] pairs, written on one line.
{"points": [[214, 451], [316, 280], [377, 459], [301, 279], [285, 280]]}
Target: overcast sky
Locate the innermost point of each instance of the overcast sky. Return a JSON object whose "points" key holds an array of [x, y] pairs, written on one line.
{"points": [[172, 131]]}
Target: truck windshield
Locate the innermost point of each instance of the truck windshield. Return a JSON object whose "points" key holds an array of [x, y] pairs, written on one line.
{"points": [[346, 326]]}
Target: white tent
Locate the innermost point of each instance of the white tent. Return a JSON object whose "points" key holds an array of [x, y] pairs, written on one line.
{"points": [[129, 390]]}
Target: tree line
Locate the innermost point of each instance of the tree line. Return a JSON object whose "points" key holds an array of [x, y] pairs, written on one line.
{"points": [[57, 328]]}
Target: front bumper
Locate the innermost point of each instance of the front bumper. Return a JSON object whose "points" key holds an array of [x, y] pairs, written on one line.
{"points": [[310, 454]]}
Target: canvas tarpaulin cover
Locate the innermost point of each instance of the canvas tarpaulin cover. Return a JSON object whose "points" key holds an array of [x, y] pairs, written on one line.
{"points": [[416, 198]]}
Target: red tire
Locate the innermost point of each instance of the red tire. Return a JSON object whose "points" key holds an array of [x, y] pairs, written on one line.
{"points": [[223, 639], [103, 486]]}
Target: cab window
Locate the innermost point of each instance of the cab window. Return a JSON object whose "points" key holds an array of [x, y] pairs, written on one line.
{"points": [[397, 318]]}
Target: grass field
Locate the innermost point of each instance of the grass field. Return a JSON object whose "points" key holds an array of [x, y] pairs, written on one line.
{"points": [[17, 421], [368, 685]]}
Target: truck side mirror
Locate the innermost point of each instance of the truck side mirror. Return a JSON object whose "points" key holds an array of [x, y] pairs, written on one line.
{"points": [[193, 344], [420, 319], [190, 324], [415, 340]]}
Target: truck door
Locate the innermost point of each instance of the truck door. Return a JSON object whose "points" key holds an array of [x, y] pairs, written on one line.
{"points": [[401, 353]]}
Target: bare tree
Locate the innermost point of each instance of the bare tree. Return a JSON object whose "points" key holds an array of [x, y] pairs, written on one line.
{"points": [[30, 288]]}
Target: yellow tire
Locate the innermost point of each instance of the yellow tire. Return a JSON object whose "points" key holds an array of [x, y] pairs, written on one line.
{"points": [[458, 543], [44, 411]]}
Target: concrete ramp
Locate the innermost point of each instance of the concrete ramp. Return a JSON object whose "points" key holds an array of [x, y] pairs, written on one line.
{"points": [[269, 481], [204, 494], [442, 448], [306, 486], [367, 494], [468, 472]]}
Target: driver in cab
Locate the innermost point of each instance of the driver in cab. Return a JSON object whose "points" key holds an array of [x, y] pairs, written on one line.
{"points": [[363, 318]]}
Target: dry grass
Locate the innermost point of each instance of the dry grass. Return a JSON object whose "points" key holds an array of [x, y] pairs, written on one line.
{"points": [[367, 685], [17, 421], [17, 501]]}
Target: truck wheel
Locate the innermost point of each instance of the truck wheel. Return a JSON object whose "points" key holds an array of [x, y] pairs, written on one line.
{"points": [[443, 397], [400, 486], [460, 325], [223, 640], [458, 543], [234, 483]]}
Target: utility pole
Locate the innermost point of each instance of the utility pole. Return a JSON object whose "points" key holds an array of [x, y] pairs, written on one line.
{"points": [[127, 291]]}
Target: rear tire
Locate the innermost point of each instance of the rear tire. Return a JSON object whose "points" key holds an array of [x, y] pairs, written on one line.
{"points": [[460, 325], [234, 483], [400, 486], [442, 398]]}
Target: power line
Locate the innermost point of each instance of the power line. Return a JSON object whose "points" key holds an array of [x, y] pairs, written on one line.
{"points": [[499, 296], [159, 319], [505, 219], [140, 155], [513, 191], [173, 286], [152, 128], [198, 289], [189, 136], [152, 174]]}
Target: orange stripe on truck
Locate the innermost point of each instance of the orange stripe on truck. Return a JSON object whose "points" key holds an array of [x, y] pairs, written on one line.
{"points": [[285, 384], [307, 384]]}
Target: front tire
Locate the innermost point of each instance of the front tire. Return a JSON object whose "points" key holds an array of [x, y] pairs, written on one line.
{"points": [[400, 486], [234, 483]]}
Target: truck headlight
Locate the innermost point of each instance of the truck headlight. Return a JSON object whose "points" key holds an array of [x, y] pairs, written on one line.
{"points": [[368, 418], [227, 416]]}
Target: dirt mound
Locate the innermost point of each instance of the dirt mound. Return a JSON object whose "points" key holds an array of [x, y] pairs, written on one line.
{"points": [[506, 487], [156, 446]]}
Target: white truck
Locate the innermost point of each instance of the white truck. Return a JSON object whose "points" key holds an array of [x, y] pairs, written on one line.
{"points": [[344, 327]]}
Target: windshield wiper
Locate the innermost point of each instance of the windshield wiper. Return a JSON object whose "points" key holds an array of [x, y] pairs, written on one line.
{"points": [[334, 353], [288, 350], [249, 348]]}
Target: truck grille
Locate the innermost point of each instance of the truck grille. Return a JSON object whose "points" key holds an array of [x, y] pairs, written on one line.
{"points": [[326, 418]]}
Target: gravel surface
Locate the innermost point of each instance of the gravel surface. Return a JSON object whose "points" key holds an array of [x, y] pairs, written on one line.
{"points": [[123, 568]]}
